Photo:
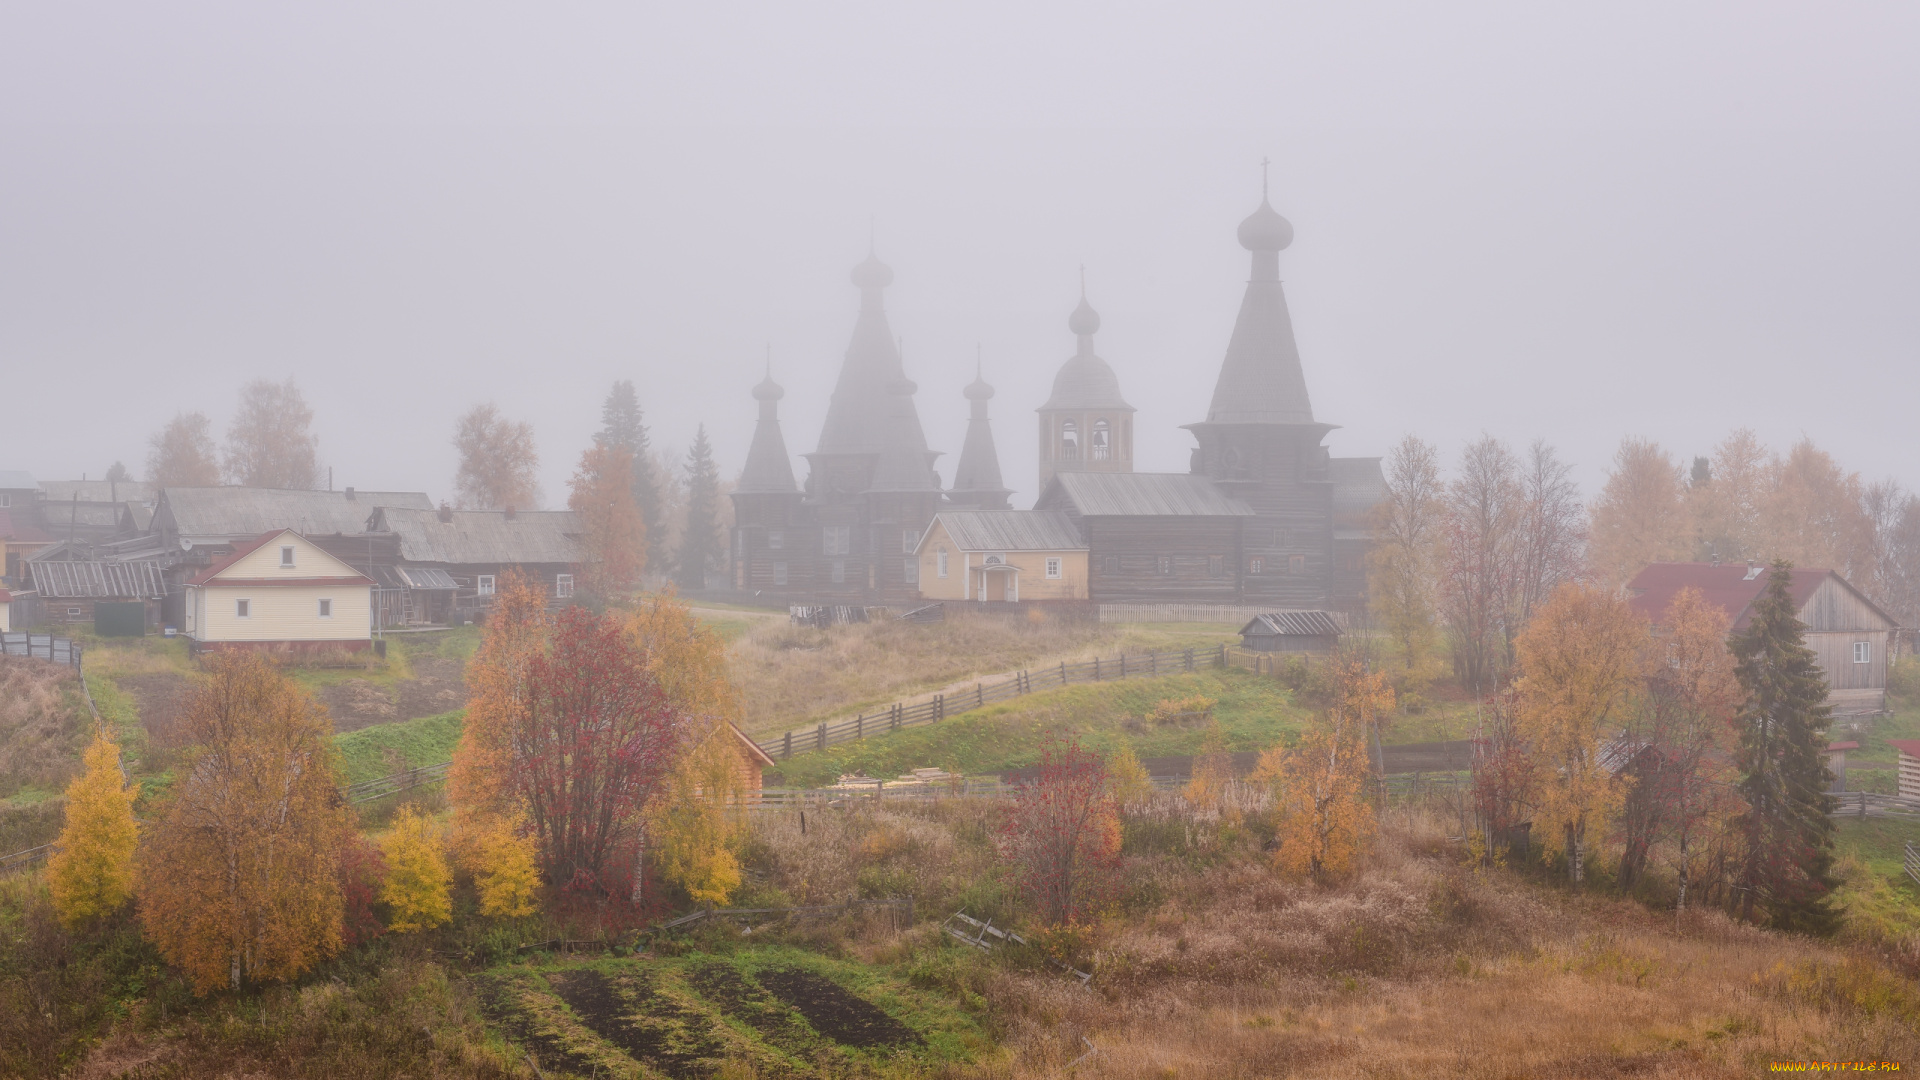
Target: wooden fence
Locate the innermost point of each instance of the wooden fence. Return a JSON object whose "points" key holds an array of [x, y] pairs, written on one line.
{"points": [[1016, 684], [1912, 860], [1871, 804], [45, 646], [381, 787], [20, 860], [819, 910]]}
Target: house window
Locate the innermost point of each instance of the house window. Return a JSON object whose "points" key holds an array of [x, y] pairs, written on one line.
{"points": [[286, 557], [74, 612], [1296, 564], [940, 562], [1098, 445], [1166, 565], [1216, 566], [483, 585], [1863, 652], [909, 540], [1069, 441], [776, 539], [837, 572], [563, 585], [913, 571], [1110, 563], [836, 540], [243, 609], [779, 573], [1256, 565], [1053, 567], [5, 499], [326, 609]]}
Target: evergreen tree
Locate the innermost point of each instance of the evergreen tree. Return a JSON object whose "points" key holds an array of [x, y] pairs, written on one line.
{"points": [[1787, 869], [621, 425], [701, 546]]}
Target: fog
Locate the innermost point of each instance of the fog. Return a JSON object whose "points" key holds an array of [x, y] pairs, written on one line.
{"points": [[1571, 223]]}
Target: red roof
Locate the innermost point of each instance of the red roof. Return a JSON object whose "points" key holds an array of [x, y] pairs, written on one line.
{"points": [[1909, 747], [1727, 585], [26, 534], [242, 550]]}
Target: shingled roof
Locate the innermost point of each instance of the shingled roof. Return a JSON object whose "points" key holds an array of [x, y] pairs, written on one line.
{"points": [[1260, 380], [872, 410], [1140, 495], [221, 515], [483, 537]]}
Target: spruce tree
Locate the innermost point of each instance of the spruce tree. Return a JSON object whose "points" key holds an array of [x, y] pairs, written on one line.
{"points": [[701, 545], [1786, 872], [621, 425]]}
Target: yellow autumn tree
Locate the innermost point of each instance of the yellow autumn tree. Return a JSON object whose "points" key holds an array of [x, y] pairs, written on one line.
{"points": [[1320, 785], [1212, 769], [1582, 661], [696, 823], [417, 888], [1640, 516], [91, 874], [687, 658], [480, 783], [238, 877], [502, 860], [1131, 784]]}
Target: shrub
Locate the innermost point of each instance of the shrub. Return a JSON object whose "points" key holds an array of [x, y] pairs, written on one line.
{"points": [[417, 882]]}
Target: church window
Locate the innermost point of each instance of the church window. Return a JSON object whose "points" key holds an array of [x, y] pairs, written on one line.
{"points": [[1110, 563], [909, 540], [1256, 564], [1069, 441], [776, 539], [913, 571], [838, 572], [779, 573], [1166, 565], [1098, 446], [940, 562], [1296, 564], [836, 540]]}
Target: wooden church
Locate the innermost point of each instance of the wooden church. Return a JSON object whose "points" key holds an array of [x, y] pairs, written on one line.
{"points": [[1265, 515]]}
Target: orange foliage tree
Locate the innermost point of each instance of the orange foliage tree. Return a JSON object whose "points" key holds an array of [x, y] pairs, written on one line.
{"points": [[1640, 516], [1325, 821], [1693, 696], [238, 879], [480, 782], [612, 531], [1581, 661], [92, 872]]}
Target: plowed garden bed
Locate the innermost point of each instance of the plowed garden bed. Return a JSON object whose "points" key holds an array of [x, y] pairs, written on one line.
{"points": [[778, 1011]]}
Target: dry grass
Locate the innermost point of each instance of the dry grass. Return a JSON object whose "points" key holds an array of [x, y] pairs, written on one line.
{"points": [[44, 724], [1422, 968], [795, 675]]}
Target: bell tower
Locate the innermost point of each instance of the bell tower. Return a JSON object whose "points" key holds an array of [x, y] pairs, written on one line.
{"points": [[1085, 426]]}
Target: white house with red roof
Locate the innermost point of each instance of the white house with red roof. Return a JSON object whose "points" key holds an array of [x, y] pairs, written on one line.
{"points": [[279, 591], [1848, 633]]}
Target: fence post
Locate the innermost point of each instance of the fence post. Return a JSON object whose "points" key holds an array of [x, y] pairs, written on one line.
{"points": [[894, 723], [1096, 669], [939, 707], [788, 751], [1189, 659], [1123, 665], [860, 726], [822, 739], [1223, 654], [1153, 663], [979, 694], [1063, 673]]}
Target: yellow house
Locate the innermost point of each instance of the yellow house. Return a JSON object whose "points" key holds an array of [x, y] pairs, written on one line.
{"points": [[1006, 555], [281, 592]]}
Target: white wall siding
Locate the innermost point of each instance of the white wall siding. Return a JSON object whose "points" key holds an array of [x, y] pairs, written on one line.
{"points": [[283, 612]]}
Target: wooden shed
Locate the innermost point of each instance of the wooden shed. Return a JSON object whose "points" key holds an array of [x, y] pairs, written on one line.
{"points": [[1848, 634], [1294, 631], [754, 761], [1909, 750]]}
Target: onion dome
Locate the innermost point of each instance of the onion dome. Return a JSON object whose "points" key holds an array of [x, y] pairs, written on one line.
{"points": [[1265, 229], [768, 390], [978, 390], [1084, 321]]}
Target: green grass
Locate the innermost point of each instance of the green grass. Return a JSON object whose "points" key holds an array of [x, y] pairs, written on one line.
{"points": [[383, 749], [1882, 902], [1254, 711]]}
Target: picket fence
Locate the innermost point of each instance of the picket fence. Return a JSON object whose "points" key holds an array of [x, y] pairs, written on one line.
{"points": [[1012, 685]]}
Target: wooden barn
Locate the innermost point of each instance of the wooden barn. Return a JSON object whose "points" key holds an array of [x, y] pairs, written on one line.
{"points": [[457, 557], [120, 599], [1847, 633], [1294, 632]]}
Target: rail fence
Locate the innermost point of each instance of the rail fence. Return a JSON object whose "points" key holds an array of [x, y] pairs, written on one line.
{"points": [[381, 787], [1912, 860], [1012, 685], [818, 910], [1871, 804], [44, 646]]}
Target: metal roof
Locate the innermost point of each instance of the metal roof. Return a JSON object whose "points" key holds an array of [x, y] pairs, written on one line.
{"points": [[1010, 530], [424, 577], [1147, 495], [72, 580], [100, 491], [483, 537], [1309, 623], [225, 514], [1733, 587]]}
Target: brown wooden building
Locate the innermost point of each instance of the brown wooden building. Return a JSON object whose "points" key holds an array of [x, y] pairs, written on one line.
{"points": [[1848, 634]]}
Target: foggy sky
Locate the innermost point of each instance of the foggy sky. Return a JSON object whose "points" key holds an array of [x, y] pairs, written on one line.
{"points": [[1657, 220]]}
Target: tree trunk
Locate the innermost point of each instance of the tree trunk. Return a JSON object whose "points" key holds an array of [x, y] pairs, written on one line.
{"points": [[1576, 854]]}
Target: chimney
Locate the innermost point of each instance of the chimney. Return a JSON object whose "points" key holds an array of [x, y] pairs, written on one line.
{"points": [[446, 513], [350, 497], [509, 513]]}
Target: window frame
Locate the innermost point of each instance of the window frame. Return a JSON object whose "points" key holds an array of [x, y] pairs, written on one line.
{"points": [[776, 539], [563, 586], [912, 569], [485, 584], [780, 572], [1053, 567], [940, 562], [243, 607], [1165, 565], [1256, 566], [325, 608], [287, 557], [1296, 564], [1863, 652]]}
